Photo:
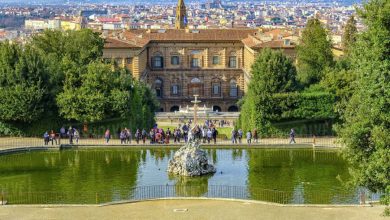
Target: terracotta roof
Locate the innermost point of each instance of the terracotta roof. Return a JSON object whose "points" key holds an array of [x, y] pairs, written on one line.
{"points": [[273, 44], [108, 20], [250, 41], [116, 43], [194, 35]]}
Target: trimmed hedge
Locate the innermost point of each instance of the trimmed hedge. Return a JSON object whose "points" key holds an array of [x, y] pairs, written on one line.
{"points": [[301, 106]]}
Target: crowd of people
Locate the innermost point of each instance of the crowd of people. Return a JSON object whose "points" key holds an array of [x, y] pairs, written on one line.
{"points": [[206, 133], [72, 134]]}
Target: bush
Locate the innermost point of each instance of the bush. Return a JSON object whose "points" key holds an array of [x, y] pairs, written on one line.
{"points": [[293, 106], [9, 130]]}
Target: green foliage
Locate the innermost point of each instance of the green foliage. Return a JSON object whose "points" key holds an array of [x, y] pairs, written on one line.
{"points": [[272, 72], [366, 131], [339, 81], [22, 90], [60, 75], [292, 106], [349, 36], [314, 53], [9, 130]]}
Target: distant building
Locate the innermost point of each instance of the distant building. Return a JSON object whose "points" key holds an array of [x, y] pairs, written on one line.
{"points": [[179, 63]]}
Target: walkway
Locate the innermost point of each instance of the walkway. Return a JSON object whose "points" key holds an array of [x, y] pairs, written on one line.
{"points": [[17, 142], [190, 209]]}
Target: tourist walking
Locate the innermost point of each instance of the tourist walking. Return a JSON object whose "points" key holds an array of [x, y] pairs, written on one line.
{"points": [[123, 137], [292, 136], [62, 132], [76, 135], [107, 135], [209, 135], [70, 135], [137, 135], [167, 136], [129, 136], [53, 137], [152, 136], [255, 136], [249, 137], [215, 134], [234, 136], [185, 129], [239, 134], [46, 138], [144, 135], [204, 134]]}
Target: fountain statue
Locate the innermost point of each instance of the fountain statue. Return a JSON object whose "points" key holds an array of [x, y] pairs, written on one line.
{"points": [[190, 160]]}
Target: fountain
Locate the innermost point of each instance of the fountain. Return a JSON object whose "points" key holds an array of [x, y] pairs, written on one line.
{"points": [[190, 160]]}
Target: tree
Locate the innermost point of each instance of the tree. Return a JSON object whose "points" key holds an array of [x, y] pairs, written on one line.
{"points": [[272, 73], [22, 90], [103, 92], [366, 131], [314, 53], [92, 95], [349, 36], [63, 50], [339, 81]]}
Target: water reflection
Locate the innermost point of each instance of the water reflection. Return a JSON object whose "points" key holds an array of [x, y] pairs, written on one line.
{"points": [[190, 186], [103, 175], [304, 176]]}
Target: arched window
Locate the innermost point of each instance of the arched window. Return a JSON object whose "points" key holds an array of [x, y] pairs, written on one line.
{"points": [[174, 108], [195, 80], [233, 108], [157, 60], [233, 88], [216, 108], [195, 87], [158, 87]]}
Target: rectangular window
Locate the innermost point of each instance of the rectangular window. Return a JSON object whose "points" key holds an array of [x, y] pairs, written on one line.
{"points": [[216, 89], [175, 90], [128, 60], [195, 91], [233, 91], [232, 62], [118, 61], [215, 60], [157, 62], [175, 60], [195, 62]]}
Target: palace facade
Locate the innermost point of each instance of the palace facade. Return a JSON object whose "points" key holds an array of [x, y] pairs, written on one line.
{"points": [[179, 63]]}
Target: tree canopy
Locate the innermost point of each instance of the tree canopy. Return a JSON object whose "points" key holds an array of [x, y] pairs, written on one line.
{"points": [[62, 75], [366, 131], [22, 83], [349, 35], [314, 53], [272, 73]]}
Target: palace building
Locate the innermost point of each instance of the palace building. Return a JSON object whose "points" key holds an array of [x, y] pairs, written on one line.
{"points": [[179, 63]]}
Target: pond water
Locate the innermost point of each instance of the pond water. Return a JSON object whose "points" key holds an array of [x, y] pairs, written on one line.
{"points": [[103, 175]]}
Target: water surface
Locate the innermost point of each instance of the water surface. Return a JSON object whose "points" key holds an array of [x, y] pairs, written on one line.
{"points": [[104, 174]]}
